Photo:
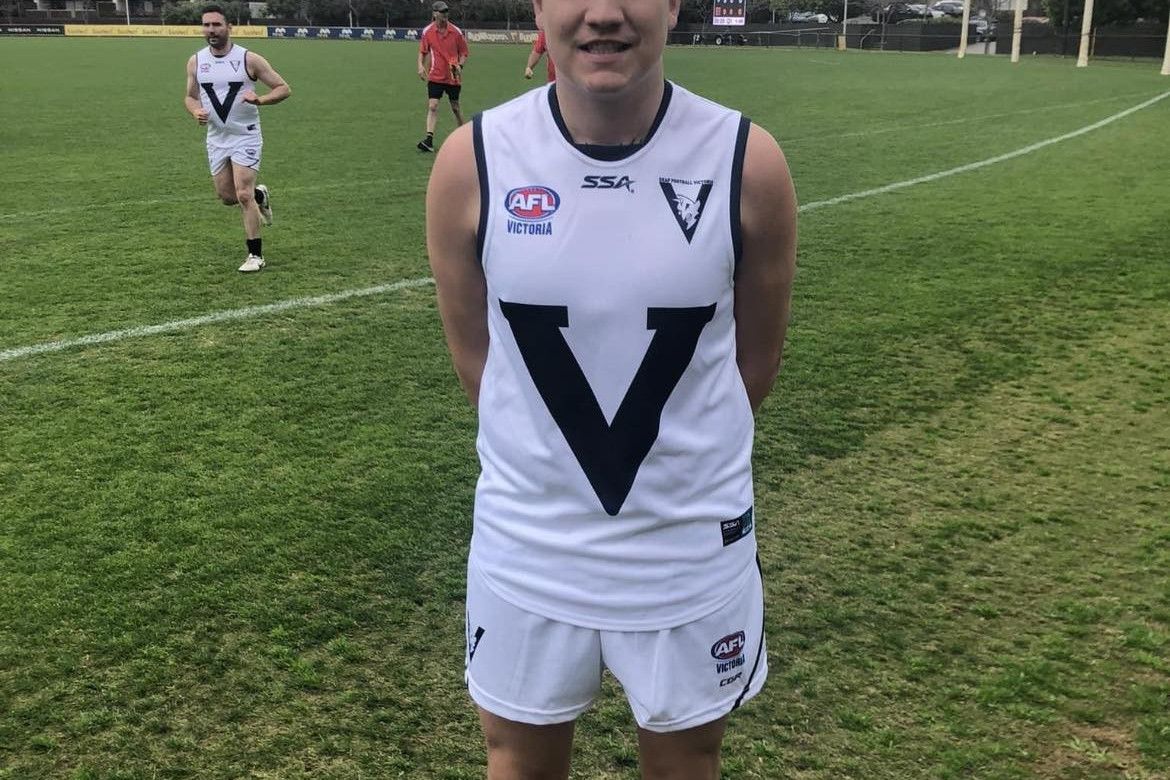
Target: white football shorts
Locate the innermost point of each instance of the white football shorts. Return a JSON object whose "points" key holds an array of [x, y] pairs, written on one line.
{"points": [[530, 669], [244, 152]]}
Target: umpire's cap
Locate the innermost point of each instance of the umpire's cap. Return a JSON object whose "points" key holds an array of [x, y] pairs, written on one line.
{"points": [[439, 6]]}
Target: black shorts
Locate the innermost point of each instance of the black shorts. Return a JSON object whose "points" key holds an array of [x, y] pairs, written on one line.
{"points": [[435, 90]]}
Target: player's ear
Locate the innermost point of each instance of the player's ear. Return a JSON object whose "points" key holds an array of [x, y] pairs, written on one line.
{"points": [[672, 19], [538, 12]]}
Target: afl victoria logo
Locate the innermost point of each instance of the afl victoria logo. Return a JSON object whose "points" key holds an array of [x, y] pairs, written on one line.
{"points": [[532, 203], [728, 647]]}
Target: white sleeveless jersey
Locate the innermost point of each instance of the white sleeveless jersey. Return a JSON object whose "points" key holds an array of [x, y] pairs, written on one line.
{"points": [[222, 82], [615, 432]]}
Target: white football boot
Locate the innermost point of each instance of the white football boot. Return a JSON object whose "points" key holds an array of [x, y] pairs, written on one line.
{"points": [[252, 263]]}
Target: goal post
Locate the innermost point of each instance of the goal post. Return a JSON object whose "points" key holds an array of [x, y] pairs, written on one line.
{"points": [[966, 28], [1086, 31], [1166, 58]]}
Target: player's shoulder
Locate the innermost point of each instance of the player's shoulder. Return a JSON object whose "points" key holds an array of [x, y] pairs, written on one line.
{"points": [[532, 100], [684, 96]]}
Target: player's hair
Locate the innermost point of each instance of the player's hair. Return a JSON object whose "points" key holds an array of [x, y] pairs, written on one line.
{"points": [[214, 8]]}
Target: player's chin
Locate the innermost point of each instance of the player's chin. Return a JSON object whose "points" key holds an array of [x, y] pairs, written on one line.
{"points": [[604, 82]]}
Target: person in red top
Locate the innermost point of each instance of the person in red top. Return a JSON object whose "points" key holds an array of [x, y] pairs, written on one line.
{"points": [[447, 47], [539, 47]]}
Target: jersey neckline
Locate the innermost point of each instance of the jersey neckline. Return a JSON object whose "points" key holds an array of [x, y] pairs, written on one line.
{"points": [[608, 152]]}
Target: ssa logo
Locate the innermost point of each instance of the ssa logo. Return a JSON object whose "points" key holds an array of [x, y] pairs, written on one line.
{"points": [[608, 183]]}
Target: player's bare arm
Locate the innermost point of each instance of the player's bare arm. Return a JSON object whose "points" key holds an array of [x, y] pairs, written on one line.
{"points": [[278, 88], [422, 66], [533, 58], [452, 220], [763, 280], [191, 99]]}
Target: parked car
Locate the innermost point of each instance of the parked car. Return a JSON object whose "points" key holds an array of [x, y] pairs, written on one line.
{"points": [[719, 39], [897, 12], [926, 12], [808, 16], [948, 7], [982, 29]]}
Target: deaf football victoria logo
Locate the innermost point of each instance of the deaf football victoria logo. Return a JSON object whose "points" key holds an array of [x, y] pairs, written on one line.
{"points": [[687, 199]]}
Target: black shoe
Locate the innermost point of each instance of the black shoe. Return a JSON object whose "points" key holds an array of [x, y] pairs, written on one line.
{"points": [[426, 145]]}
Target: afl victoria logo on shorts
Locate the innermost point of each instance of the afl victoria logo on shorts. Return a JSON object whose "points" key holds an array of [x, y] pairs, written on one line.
{"points": [[728, 647]]}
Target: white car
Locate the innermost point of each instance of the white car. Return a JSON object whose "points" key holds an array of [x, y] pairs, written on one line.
{"points": [[808, 16]]}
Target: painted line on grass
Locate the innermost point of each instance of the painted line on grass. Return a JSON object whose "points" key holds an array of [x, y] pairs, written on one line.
{"points": [[80, 207], [984, 163], [207, 319], [323, 300], [943, 123]]}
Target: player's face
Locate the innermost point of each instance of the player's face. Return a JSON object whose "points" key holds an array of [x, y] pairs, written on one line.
{"points": [[440, 18], [216, 30], [604, 46]]}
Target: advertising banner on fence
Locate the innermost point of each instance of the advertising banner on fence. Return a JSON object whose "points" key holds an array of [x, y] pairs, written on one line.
{"points": [[157, 30], [501, 36], [729, 12], [344, 33], [393, 34], [32, 29]]}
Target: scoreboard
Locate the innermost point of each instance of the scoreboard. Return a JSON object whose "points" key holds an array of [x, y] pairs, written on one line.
{"points": [[729, 12]]}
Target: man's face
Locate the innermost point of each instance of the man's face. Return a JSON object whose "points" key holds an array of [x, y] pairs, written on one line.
{"points": [[441, 17], [603, 46], [215, 30]]}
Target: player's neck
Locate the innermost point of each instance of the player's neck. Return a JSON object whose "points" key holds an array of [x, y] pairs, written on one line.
{"points": [[611, 120]]}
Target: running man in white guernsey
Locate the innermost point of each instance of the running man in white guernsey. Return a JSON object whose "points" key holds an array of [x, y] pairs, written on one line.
{"points": [[221, 94], [614, 258]]}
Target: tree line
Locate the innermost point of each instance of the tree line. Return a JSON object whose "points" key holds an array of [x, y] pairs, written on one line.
{"points": [[692, 13]]}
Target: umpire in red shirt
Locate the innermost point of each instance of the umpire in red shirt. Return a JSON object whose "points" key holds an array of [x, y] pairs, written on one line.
{"points": [[447, 47]]}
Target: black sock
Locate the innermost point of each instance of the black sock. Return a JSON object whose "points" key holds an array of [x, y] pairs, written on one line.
{"points": [[254, 247], [431, 136]]}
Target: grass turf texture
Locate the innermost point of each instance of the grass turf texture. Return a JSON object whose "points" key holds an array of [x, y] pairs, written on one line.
{"points": [[237, 550]]}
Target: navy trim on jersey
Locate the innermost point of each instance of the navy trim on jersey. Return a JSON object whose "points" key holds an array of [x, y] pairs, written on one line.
{"points": [[247, 72], [741, 137], [760, 649], [481, 171], [608, 152]]}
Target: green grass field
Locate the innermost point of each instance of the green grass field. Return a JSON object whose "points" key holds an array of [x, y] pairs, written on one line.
{"points": [[235, 548]]}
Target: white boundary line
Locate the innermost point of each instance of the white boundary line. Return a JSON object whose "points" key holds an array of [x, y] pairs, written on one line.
{"points": [[207, 319], [323, 300], [984, 163], [785, 142]]}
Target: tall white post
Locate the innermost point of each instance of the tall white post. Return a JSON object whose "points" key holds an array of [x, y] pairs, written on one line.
{"points": [[1017, 30], [844, 25], [1086, 29], [1166, 59], [966, 27]]}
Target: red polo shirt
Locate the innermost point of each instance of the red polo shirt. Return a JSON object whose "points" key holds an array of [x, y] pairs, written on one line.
{"points": [[445, 46], [541, 47]]}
